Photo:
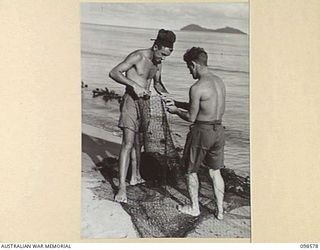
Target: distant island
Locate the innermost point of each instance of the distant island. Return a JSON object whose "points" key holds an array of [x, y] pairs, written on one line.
{"points": [[195, 27]]}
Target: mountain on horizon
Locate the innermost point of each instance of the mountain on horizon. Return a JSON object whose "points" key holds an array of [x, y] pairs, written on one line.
{"points": [[195, 27]]}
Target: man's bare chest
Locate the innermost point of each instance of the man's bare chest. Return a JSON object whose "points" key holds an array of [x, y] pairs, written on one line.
{"points": [[146, 70]]}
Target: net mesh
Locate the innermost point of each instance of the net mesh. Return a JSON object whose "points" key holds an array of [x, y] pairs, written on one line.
{"points": [[157, 137]]}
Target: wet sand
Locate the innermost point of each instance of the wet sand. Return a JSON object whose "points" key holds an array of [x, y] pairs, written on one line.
{"points": [[151, 210]]}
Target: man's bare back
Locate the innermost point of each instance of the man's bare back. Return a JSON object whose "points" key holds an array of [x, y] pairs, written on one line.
{"points": [[211, 91], [205, 140]]}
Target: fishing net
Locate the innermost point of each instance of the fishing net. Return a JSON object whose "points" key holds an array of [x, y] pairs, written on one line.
{"points": [[157, 138]]}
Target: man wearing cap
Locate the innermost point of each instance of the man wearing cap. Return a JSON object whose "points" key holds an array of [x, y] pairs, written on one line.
{"points": [[136, 72], [205, 141]]}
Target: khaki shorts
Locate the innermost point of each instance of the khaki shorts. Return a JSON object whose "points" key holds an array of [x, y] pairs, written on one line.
{"points": [[204, 145], [133, 113]]}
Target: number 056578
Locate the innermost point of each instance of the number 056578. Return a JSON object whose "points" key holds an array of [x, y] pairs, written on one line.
{"points": [[309, 246]]}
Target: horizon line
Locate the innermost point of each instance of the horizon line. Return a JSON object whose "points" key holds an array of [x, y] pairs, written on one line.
{"points": [[122, 26]]}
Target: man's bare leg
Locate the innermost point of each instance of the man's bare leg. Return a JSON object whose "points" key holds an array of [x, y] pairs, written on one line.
{"points": [[193, 188], [126, 147], [218, 185], [135, 162]]}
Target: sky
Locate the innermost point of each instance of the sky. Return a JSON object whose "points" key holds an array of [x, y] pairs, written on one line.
{"points": [[172, 16]]}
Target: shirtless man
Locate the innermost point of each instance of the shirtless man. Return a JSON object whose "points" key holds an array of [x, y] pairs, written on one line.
{"points": [[136, 73], [205, 141]]}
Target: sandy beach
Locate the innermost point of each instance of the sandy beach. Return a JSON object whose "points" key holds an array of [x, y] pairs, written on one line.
{"points": [[151, 211]]}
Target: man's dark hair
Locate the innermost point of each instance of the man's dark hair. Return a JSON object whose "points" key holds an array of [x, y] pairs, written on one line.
{"points": [[197, 55], [165, 38]]}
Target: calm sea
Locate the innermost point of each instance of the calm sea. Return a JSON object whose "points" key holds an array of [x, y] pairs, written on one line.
{"points": [[102, 47]]}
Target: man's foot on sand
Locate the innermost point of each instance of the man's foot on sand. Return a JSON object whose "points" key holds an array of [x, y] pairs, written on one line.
{"points": [[187, 209], [220, 215], [121, 196], [116, 182], [136, 181]]}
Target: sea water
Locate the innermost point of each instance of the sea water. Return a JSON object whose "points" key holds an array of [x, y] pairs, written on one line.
{"points": [[103, 47]]}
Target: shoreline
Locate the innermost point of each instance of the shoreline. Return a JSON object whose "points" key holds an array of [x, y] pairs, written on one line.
{"points": [[99, 211], [98, 215]]}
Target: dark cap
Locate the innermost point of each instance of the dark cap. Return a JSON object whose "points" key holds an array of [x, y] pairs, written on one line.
{"points": [[166, 38]]}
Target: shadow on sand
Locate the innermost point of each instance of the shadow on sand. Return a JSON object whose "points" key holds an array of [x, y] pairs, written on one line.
{"points": [[152, 205]]}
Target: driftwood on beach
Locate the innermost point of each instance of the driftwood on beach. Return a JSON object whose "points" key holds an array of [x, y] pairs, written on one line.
{"points": [[83, 85], [111, 95], [106, 94]]}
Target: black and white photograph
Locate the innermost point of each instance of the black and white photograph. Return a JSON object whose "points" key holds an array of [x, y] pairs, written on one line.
{"points": [[165, 96]]}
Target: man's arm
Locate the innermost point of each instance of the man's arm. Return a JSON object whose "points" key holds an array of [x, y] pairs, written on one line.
{"points": [[182, 105], [117, 73], [160, 88], [191, 114], [157, 83]]}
